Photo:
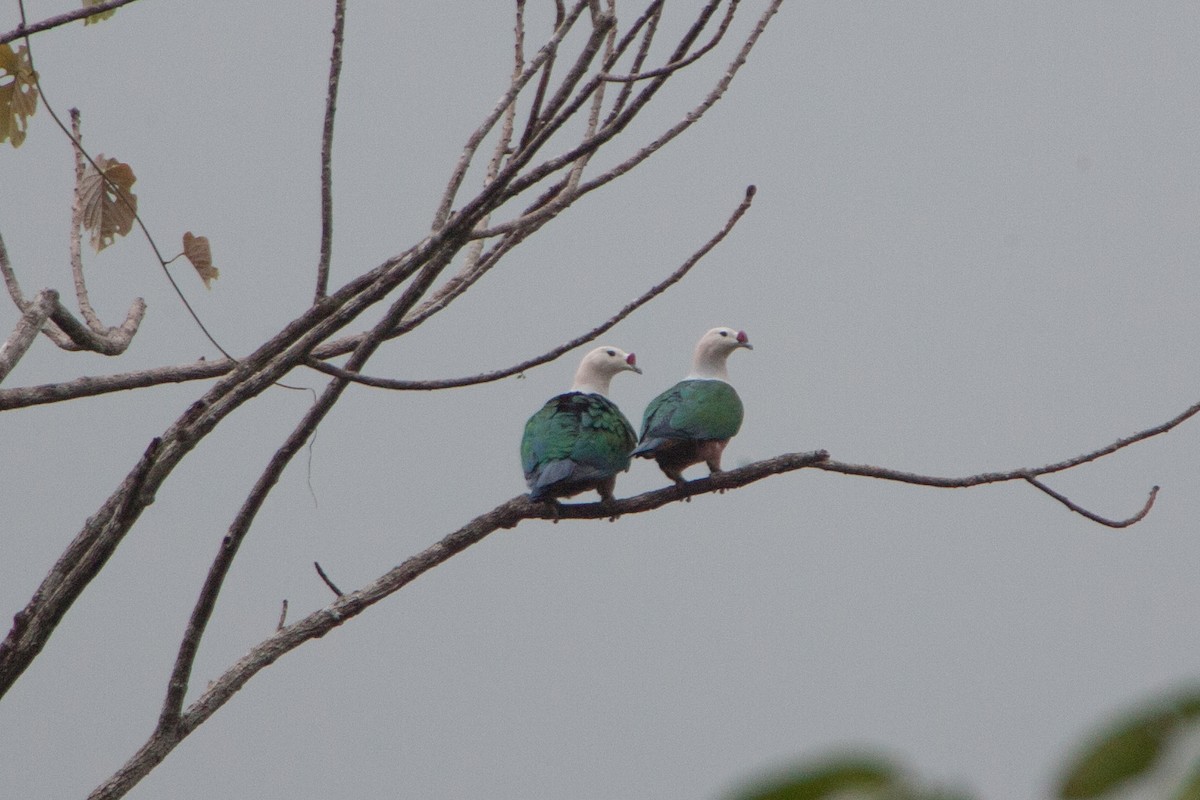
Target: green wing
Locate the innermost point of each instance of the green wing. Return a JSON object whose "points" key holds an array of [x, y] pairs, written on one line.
{"points": [[575, 439], [692, 409]]}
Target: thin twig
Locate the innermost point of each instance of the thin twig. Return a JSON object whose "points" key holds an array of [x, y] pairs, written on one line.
{"points": [[332, 586], [1122, 523], [335, 69], [495, 375], [25, 30], [694, 115], [282, 616], [650, 19], [464, 161], [81, 292], [539, 96], [675, 66]]}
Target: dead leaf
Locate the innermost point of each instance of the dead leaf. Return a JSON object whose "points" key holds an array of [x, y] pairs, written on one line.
{"points": [[108, 205], [18, 93], [197, 251], [96, 17]]}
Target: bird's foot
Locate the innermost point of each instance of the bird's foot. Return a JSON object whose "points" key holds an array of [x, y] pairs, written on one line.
{"points": [[609, 503], [555, 508], [714, 471]]}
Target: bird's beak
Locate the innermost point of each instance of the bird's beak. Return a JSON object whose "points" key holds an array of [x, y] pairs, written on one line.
{"points": [[631, 360], [744, 340]]}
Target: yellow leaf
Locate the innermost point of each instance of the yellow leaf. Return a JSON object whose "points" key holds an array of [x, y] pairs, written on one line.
{"points": [[197, 252], [108, 205], [96, 17], [18, 93]]}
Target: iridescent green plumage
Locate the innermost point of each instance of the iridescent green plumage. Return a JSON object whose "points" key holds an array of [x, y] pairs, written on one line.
{"points": [[698, 409], [694, 419], [576, 442]]}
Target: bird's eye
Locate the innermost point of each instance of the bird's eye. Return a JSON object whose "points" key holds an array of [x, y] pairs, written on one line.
{"points": [[612, 352], [724, 333]]}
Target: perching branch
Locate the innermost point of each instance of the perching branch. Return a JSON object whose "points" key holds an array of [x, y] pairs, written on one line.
{"points": [[505, 516]]}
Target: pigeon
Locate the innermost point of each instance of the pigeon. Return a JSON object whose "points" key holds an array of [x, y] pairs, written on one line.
{"points": [[694, 419], [580, 440]]}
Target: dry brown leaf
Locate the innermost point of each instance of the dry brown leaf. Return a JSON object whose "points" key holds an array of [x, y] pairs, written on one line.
{"points": [[197, 251], [18, 93], [108, 205], [96, 17]]}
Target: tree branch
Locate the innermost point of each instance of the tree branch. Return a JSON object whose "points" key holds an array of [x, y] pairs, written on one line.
{"points": [[32, 319], [62, 19], [335, 70], [473, 141], [81, 292], [674, 66], [495, 375], [1122, 523], [504, 516]]}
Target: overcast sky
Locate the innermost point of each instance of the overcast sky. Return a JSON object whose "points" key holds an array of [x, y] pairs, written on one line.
{"points": [[973, 248]]}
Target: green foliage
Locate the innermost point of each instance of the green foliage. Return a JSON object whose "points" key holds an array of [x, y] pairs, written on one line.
{"points": [[850, 777], [1130, 747]]}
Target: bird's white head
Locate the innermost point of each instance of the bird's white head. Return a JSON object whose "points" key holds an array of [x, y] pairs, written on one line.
{"points": [[712, 350], [597, 368]]}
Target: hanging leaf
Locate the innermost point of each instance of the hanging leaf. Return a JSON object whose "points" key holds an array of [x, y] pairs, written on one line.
{"points": [[197, 251], [96, 17], [18, 93], [108, 205]]}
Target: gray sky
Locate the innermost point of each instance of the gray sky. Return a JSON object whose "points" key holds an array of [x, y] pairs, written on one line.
{"points": [[972, 249]]}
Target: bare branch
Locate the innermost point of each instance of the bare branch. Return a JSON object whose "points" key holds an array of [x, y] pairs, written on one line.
{"points": [[169, 717], [506, 515], [535, 108], [694, 115], [32, 319], [1122, 523], [335, 69], [81, 292], [282, 616], [650, 19], [79, 563], [108, 341], [460, 169], [23, 30], [675, 66], [14, 291], [10, 277], [90, 386], [495, 375]]}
